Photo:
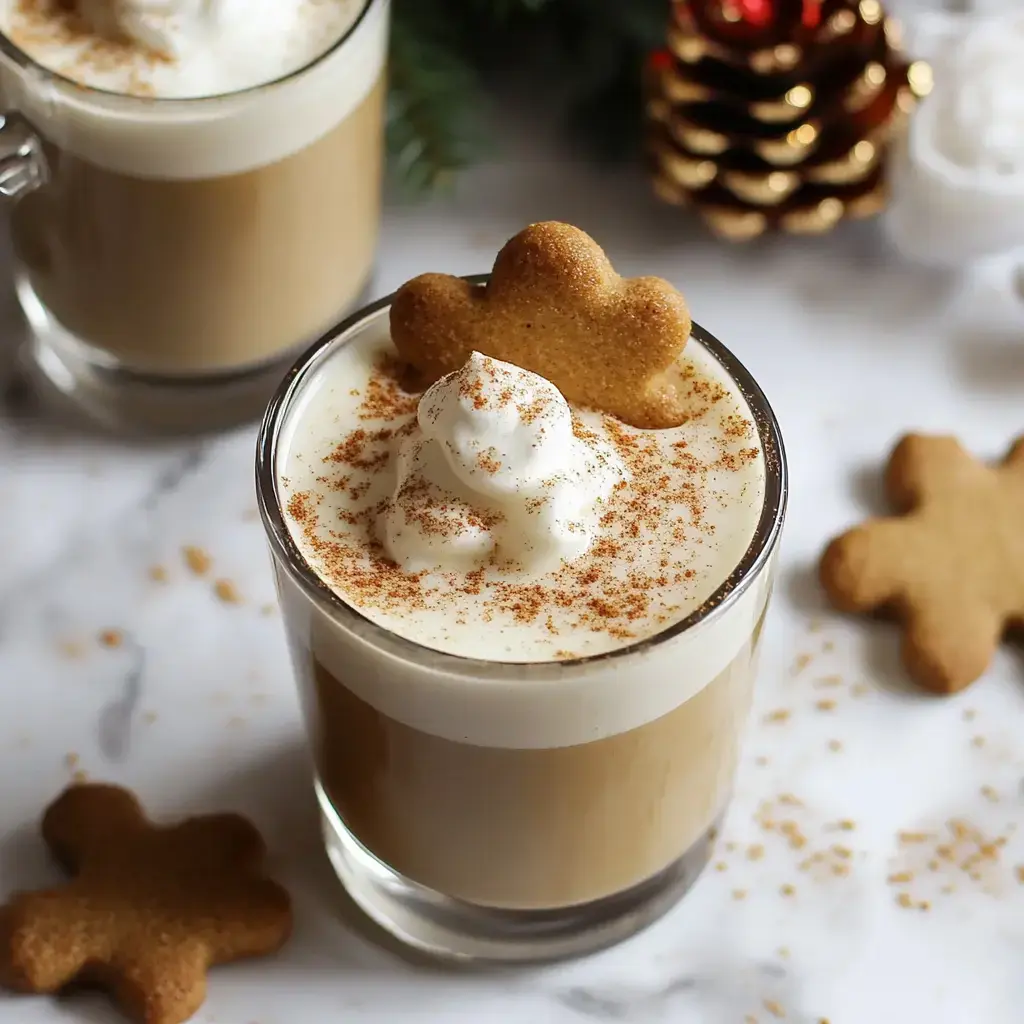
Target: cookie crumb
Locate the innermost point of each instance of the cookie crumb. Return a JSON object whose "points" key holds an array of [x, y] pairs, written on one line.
{"points": [[969, 714], [787, 889], [79, 776], [71, 761], [990, 794], [1019, 874], [778, 715], [158, 574], [908, 838], [825, 705], [802, 661], [149, 717], [267, 610], [835, 746], [755, 852], [111, 638], [739, 894], [783, 952], [761, 761], [227, 592], [900, 878], [197, 560], [721, 866], [774, 1008], [977, 741]]}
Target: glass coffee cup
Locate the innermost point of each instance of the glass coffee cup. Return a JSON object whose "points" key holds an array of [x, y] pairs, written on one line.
{"points": [[172, 254], [491, 807]]}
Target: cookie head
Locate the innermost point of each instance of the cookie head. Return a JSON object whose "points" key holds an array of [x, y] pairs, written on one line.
{"points": [[555, 305]]}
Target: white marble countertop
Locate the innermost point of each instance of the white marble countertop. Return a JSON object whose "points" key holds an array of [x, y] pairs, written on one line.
{"points": [[194, 706]]}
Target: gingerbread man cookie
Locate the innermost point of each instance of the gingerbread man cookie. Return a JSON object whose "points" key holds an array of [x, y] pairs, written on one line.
{"points": [[555, 305], [149, 908], [949, 564]]}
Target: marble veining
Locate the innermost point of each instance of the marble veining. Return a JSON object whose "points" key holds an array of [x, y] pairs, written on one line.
{"points": [[870, 868]]}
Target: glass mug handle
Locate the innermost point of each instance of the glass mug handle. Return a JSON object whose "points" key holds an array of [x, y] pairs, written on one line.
{"points": [[23, 166]]}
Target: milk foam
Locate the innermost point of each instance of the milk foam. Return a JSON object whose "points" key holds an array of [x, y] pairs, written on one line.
{"points": [[537, 700], [201, 59]]}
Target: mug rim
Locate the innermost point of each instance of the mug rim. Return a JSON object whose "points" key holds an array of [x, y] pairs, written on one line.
{"points": [[286, 553], [26, 63]]}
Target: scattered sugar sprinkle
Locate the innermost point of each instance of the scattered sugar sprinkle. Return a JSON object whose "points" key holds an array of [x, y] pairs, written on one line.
{"points": [[777, 716], [197, 560], [158, 573], [227, 592], [111, 638]]}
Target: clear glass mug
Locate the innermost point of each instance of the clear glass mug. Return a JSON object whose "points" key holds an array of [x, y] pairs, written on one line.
{"points": [[500, 840], [171, 256]]}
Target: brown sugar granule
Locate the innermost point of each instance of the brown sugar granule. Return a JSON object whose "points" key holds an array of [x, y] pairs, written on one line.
{"points": [[825, 682], [197, 560], [846, 824], [777, 716], [904, 900], [914, 837], [755, 851], [802, 661], [774, 1008], [900, 878], [227, 592], [739, 894], [158, 574], [111, 638], [825, 705]]}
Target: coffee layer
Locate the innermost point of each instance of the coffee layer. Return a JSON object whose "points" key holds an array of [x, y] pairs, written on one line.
{"points": [[529, 829], [190, 276]]}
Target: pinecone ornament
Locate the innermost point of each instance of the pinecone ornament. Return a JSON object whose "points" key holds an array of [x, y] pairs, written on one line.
{"points": [[777, 114]]}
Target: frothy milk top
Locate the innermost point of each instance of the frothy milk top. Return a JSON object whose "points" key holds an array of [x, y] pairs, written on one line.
{"points": [[176, 48], [488, 519]]}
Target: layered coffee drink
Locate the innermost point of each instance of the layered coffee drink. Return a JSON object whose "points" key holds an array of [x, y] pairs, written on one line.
{"points": [[525, 633], [214, 174]]}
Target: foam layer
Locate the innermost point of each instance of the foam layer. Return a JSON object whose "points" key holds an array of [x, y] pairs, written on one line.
{"points": [[239, 127], [660, 561]]}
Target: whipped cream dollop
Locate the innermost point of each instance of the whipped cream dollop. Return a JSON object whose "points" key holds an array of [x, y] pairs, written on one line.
{"points": [[979, 119], [493, 471], [958, 179], [174, 27]]}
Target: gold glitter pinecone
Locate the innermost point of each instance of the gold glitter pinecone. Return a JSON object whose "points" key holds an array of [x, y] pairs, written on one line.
{"points": [[781, 122]]}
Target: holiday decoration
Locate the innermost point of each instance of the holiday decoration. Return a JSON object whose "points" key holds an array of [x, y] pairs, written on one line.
{"points": [[778, 114], [958, 184]]}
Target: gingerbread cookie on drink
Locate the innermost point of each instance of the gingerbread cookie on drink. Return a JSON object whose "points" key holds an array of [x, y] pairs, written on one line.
{"points": [[149, 909], [555, 305], [949, 564]]}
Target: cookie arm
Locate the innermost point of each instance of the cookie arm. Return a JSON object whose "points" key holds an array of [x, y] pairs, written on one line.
{"points": [[948, 642], [45, 940], [858, 570], [164, 984]]}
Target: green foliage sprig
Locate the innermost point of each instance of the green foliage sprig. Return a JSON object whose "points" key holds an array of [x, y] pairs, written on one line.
{"points": [[446, 53]]}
